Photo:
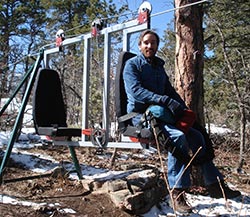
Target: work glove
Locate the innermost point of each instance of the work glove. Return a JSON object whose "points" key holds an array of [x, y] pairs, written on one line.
{"points": [[175, 107], [162, 114], [186, 121]]}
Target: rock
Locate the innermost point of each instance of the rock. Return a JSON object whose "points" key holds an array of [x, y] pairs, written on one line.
{"points": [[144, 179], [118, 197], [115, 185], [137, 193], [92, 185]]}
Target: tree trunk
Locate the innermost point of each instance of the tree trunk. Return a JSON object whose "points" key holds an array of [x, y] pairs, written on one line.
{"points": [[189, 61]]}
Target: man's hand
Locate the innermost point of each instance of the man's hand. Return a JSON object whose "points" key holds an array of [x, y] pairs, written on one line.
{"points": [[175, 107]]}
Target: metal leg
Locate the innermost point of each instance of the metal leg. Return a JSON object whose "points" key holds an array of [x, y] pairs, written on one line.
{"points": [[76, 162], [19, 119]]}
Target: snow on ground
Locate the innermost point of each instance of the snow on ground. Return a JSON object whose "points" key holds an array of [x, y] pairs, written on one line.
{"points": [[202, 205], [12, 200], [218, 130]]}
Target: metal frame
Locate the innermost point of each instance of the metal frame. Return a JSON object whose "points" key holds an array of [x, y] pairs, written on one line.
{"points": [[128, 29]]}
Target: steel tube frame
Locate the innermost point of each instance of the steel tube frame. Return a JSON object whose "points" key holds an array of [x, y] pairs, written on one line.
{"points": [[127, 29]]}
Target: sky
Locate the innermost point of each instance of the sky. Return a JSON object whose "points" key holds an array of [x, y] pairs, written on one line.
{"points": [[158, 22]]}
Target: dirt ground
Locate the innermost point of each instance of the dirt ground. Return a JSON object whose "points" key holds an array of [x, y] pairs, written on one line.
{"points": [[72, 195]]}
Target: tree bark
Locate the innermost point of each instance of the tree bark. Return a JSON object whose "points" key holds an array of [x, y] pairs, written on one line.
{"points": [[189, 61], [189, 64]]}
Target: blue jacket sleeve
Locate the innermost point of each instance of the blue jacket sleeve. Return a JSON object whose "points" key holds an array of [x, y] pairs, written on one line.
{"points": [[170, 91]]}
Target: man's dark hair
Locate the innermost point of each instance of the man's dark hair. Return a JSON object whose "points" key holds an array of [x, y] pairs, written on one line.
{"points": [[149, 31]]}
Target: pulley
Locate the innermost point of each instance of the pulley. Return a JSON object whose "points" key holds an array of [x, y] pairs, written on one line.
{"points": [[97, 26], [60, 36], [98, 137], [144, 12]]}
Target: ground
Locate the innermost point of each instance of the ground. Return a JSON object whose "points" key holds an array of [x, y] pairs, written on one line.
{"points": [[72, 195]]}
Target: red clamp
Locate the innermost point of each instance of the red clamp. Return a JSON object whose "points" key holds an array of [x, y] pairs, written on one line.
{"points": [[96, 27], [143, 17], [144, 12], [60, 36], [59, 42]]}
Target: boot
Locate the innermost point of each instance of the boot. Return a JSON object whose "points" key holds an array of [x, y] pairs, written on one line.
{"points": [[180, 205], [216, 191]]}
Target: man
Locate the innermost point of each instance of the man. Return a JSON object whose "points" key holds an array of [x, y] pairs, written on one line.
{"points": [[147, 84]]}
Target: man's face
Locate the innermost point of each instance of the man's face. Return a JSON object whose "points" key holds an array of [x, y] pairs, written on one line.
{"points": [[149, 45]]}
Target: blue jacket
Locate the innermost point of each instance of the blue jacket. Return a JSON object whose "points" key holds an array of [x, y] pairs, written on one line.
{"points": [[146, 83]]}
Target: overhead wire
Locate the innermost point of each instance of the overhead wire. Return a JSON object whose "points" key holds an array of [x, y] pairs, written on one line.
{"points": [[177, 8], [12, 64], [135, 12], [104, 18], [180, 7], [117, 16]]}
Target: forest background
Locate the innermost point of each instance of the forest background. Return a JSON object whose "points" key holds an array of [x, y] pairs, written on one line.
{"points": [[27, 26]]}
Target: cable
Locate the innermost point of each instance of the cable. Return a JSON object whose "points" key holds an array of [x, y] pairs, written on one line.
{"points": [[117, 16], [135, 12], [177, 8], [18, 61], [105, 18]]}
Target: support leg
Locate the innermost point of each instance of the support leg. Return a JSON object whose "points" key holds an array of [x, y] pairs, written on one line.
{"points": [[18, 123], [76, 162]]}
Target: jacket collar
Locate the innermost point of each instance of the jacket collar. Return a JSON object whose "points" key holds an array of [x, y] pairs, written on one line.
{"points": [[155, 62]]}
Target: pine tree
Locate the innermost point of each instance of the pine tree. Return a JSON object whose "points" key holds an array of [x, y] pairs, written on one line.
{"points": [[22, 27], [228, 68]]}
